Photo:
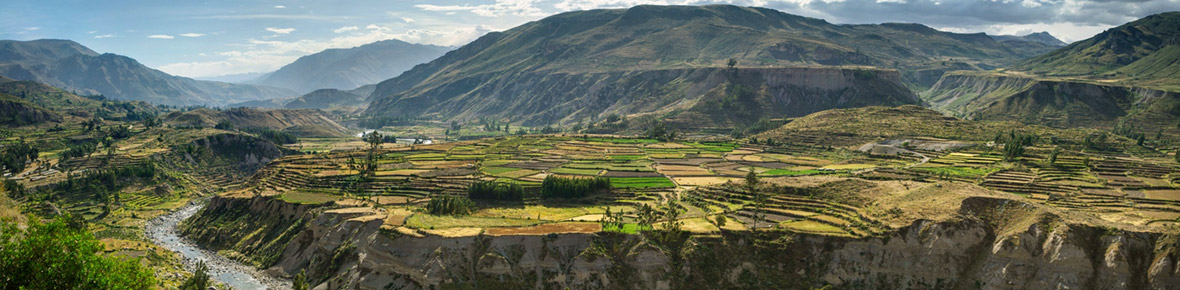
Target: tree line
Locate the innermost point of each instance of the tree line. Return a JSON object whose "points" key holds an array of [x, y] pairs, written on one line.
{"points": [[573, 187]]}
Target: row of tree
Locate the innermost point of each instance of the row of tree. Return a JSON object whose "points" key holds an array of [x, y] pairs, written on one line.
{"points": [[573, 187], [450, 205], [491, 190]]}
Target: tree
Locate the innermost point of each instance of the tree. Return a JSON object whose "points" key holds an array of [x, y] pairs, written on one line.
{"points": [[54, 255], [224, 125], [732, 63], [199, 280], [1053, 155], [759, 197], [300, 282]]}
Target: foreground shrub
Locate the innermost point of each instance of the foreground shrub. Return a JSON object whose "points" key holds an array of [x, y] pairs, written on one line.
{"points": [[54, 255]]}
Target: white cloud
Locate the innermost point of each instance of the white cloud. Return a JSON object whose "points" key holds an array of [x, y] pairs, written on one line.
{"points": [[377, 28], [34, 28], [345, 29], [280, 7], [104, 36], [407, 20], [161, 36], [499, 8], [280, 30], [192, 34]]}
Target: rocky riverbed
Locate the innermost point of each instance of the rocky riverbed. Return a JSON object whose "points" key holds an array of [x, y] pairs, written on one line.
{"points": [[162, 230]]}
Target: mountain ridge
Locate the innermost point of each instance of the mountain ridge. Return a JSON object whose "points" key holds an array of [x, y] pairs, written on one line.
{"points": [[655, 38], [71, 66], [349, 68]]}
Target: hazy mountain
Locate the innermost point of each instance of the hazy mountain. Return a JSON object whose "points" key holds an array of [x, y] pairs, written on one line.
{"points": [[71, 66], [579, 66], [242, 78], [326, 98], [318, 99], [351, 67], [1042, 37]]}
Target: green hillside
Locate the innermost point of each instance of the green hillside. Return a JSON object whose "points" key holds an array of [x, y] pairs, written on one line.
{"points": [[1143, 53], [516, 74]]}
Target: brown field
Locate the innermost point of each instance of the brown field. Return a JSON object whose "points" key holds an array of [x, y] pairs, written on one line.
{"points": [[554, 228]]}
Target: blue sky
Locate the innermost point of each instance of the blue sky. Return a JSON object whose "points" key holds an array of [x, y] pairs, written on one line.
{"points": [[211, 38]]}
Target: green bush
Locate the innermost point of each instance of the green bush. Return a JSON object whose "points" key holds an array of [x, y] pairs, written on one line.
{"points": [[449, 205], [54, 255]]}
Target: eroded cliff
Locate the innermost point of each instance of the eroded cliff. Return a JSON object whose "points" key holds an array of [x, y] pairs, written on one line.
{"points": [[993, 243]]}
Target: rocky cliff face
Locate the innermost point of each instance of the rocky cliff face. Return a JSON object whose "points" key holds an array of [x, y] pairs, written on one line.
{"points": [[1056, 103], [724, 95], [306, 123], [14, 112], [994, 244]]}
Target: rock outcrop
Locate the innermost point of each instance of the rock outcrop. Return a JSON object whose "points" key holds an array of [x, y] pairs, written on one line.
{"points": [[994, 244]]}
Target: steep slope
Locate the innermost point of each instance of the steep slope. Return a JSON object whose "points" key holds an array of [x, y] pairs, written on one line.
{"points": [[352, 67], [986, 242], [17, 112], [306, 123], [68, 65], [506, 74], [62, 102], [1126, 75], [1054, 102], [326, 98], [1145, 52], [1031, 44], [856, 126]]}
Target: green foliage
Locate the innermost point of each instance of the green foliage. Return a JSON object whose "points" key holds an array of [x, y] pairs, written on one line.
{"points": [[199, 280], [14, 156], [54, 255], [300, 281], [78, 150], [572, 187], [661, 132], [104, 185], [762, 125], [496, 191], [1014, 149], [276, 136], [224, 125], [449, 205]]}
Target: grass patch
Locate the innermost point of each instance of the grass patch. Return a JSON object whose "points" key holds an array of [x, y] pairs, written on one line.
{"points": [[574, 171], [961, 172], [788, 172], [641, 182], [428, 221], [302, 197]]}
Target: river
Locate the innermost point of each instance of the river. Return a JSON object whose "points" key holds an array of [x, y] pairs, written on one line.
{"points": [[163, 231]]}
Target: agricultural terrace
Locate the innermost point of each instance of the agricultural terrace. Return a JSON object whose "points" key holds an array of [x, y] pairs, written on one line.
{"points": [[702, 187]]}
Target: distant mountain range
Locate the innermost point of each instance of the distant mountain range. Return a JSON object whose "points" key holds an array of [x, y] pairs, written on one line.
{"points": [[668, 60], [1127, 77], [71, 66], [349, 68]]}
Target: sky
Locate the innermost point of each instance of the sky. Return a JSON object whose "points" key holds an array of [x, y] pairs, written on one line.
{"points": [[225, 37]]}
